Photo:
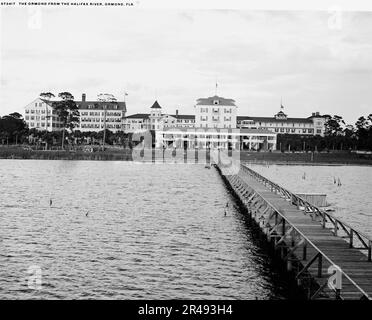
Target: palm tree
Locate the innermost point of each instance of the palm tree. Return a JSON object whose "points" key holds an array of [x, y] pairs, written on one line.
{"points": [[107, 99], [67, 111], [46, 96]]}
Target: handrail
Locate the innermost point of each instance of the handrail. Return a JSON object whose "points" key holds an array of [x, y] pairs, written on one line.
{"points": [[313, 245], [365, 240], [308, 241]]}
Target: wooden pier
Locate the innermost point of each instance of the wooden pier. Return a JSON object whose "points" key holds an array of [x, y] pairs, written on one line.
{"points": [[328, 257]]}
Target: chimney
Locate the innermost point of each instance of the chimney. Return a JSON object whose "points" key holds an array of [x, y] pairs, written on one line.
{"points": [[83, 97], [317, 114], [313, 114], [177, 113]]}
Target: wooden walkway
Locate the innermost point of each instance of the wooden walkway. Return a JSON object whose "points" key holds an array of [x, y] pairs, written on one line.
{"points": [[309, 240]]}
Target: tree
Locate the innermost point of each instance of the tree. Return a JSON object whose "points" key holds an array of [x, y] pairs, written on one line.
{"points": [[67, 111], [46, 95], [333, 126], [16, 115], [364, 132], [370, 117], [107, 99], [12, 126]]}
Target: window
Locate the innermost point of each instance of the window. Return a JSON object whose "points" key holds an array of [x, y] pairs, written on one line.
{"points": [[216, 102], [319, 131], [27, 111]]}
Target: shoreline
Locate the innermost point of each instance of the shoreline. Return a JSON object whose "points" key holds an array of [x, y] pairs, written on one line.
{"points": [[338, 158]]}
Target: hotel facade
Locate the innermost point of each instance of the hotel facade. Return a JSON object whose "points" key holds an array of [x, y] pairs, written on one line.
{"points": [[94, 115], [215, 123], [281, 124]]}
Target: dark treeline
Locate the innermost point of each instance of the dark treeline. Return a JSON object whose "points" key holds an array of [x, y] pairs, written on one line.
{"points": [[338, 136], [13, 131]]}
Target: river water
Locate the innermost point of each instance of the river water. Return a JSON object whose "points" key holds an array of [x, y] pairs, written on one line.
{"points": [[352, 200], [120, 230]]}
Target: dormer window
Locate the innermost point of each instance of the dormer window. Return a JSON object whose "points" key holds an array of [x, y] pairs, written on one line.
{"points": [[216, 101], [281, 115]]}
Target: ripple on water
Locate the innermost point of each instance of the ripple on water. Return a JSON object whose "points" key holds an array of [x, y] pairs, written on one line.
{"points": [[151, 233]]}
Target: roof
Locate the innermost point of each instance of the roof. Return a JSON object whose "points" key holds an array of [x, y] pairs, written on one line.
{"points": [[223, 131], [46, 101], [210, 101], [183, 116], [156, 105], [272, 119], [281, 113], [99, 105], [147, 115], [138, 116], [263, 131]]}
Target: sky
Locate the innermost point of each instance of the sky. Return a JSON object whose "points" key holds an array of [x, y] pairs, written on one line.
{"points": [[311, 60]]}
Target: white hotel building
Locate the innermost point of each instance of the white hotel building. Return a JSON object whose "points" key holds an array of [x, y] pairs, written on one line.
{"points": [[216, 124], [94, 115], [40, 115], [215, 112], [281, 124], [157, 120], [210, 114]]}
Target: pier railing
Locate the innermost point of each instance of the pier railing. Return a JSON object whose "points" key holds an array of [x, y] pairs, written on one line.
{"points": [[355, 238], [276, 226]]}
